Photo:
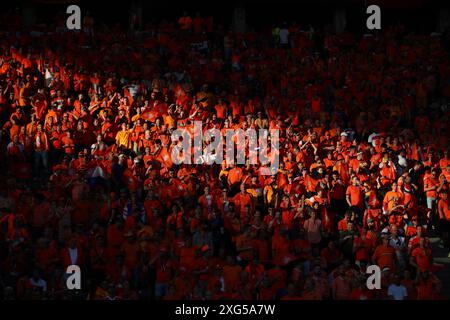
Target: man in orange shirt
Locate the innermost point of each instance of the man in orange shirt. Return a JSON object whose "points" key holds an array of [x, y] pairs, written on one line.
{"points": [[445, 161], [244, 245], [68, 144], [341, 285], [355, 197], [234, 175], [390, 195], [187, 256], [385, 255], [431, 184], [221, 109], [421, 257], [431, 187], [445, 174], [231, 272], [342, 224], [242, 199]]}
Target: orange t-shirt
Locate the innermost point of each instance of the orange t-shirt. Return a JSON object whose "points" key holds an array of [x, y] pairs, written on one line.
{"points": [[443, 207], [428, 183], [389, 197], [235, 175], [444, 162], [343, 225], [69, 143], [385, 256], [241, 201], [41, 142], [15, 130], [422, 258], [220, 111], [356, 195]]}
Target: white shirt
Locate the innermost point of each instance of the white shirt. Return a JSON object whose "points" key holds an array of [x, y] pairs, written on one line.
{"points": [[133, 89], [398, 292], [402, 161], [209, 200], [372, 138], [98, 146], [397, 243]]}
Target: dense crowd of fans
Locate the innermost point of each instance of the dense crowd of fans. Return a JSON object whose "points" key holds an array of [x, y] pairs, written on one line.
{"points": [[88, 178]]}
